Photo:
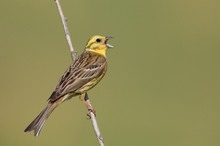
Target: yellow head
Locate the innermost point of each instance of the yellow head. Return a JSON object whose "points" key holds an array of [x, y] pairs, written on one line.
{"points": [[98, 44]]}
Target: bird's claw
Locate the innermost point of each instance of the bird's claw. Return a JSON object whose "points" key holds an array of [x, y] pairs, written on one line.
{"points": [[91, 110]]}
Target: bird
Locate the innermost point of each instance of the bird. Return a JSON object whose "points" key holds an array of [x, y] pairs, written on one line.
{"points": [[82, 75]]}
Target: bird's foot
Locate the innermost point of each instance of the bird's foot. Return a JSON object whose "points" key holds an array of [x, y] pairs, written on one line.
{"points": [[91, 110]]}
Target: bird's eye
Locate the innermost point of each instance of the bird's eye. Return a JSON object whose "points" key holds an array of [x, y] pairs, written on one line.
{"points": [[98, 40]]}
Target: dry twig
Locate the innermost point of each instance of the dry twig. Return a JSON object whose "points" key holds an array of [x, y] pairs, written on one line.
{"points": [[67, 33], [74, 57]]}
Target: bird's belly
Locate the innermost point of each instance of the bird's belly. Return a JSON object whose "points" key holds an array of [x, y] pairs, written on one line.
{"points": [[89, 85]]}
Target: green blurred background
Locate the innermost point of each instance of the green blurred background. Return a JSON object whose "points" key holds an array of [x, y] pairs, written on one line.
{"points": [[162, 86]]}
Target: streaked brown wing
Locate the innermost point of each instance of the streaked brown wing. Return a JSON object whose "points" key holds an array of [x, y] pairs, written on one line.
{"points": [[86, 68]]}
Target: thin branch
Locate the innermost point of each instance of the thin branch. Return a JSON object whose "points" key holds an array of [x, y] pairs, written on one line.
{"points": [[94, 123], [68, 38], [74, 57]]}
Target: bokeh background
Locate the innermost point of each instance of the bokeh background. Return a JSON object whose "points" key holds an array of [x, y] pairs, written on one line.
{"points": [[161, 89]]}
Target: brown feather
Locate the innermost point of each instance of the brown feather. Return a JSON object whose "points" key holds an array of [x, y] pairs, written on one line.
{"points": [[87, 67]]}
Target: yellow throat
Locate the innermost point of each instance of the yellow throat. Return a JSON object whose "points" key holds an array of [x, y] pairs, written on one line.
{"points": [[100, 51]]}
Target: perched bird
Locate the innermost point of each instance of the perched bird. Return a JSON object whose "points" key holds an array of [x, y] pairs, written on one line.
{"points": [[82, 75]]}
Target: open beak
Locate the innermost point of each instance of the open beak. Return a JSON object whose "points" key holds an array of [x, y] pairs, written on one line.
{"points": [[106, 42]]}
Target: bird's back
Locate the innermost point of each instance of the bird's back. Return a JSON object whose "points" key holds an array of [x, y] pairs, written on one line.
{"points": [[81, 76]]}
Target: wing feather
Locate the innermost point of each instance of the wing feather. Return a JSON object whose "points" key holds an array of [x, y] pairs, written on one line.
{"points": [[87, 67]]}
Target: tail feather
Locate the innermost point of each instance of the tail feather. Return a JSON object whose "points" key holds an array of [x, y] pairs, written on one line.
{"points": [[38, 123]]}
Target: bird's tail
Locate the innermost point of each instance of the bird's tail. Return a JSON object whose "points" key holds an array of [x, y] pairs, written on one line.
{"points": [[39, 121]]}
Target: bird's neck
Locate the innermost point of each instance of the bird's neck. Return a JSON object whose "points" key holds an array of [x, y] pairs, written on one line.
{"points": [[100, 51]]}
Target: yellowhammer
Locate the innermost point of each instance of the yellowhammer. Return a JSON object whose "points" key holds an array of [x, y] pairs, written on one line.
{"points": [[81, 76]]}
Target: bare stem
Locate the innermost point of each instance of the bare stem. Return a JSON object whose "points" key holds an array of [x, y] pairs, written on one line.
{"points": [[94, 123], [74, 57], [67, 33]]}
